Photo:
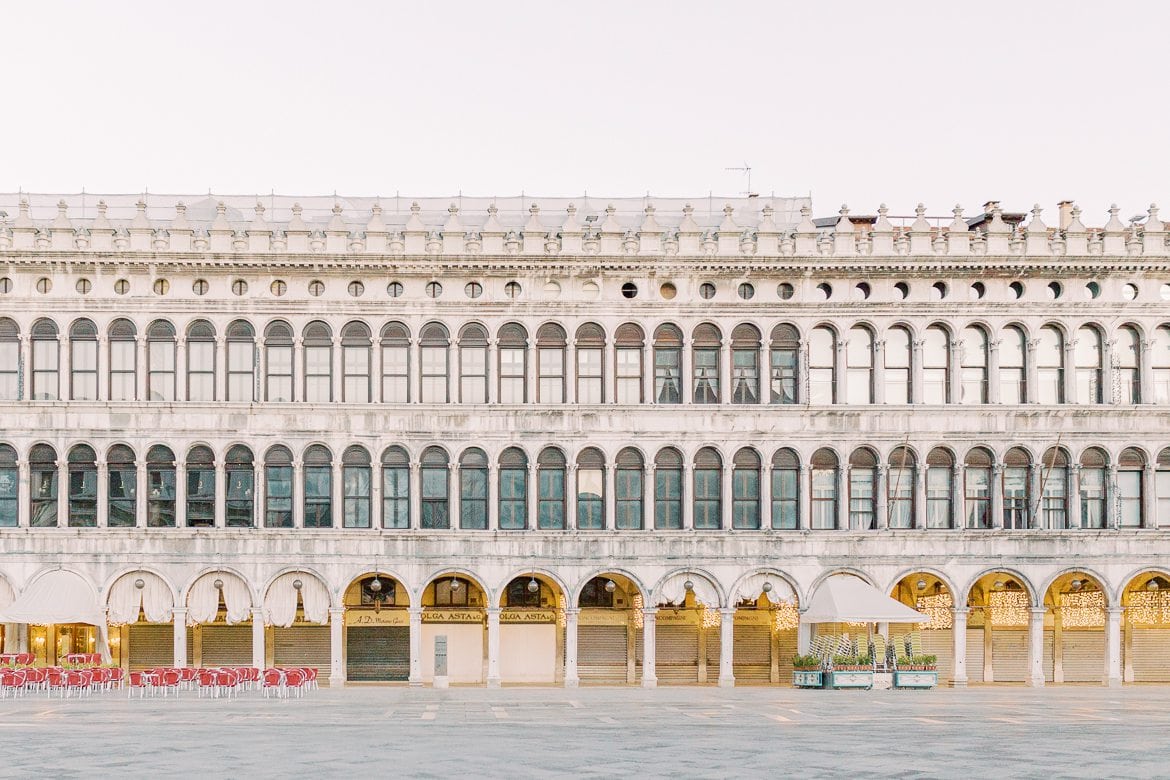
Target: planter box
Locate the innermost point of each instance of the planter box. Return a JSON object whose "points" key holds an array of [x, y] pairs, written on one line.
{"points": [[915, 679], [850, 679], [812, 678]]}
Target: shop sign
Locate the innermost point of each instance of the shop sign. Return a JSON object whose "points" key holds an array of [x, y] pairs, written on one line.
{"points": [[385, 617], [452, 616], [603, 617], [528, 616], [681, 616]]}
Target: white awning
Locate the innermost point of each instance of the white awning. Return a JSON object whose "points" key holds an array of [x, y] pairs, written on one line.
{"points": [[844, 598], [57, 597]]}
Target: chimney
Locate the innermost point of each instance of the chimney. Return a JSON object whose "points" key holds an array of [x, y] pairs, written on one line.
{"points": [[989, 205], [1065, 207]]}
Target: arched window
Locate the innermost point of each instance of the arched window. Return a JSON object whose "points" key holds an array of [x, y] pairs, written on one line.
{"points": [[83, 359], [395, 488], [745, 489], [708, 494], [822, 361], [784, 364], [862, 490], [435, 488], [45, 361], [1050, 366], [628, 498], [82, 487], [823, 479], [973, 364], [936, 366], [550, 348], [122, 480], [859, 365], [42, 462], [668, 485], [355, 487], [473, 350], [241, 361], [396, 362], [513, 489], [1162, 488], [1160, 364], [513, 353], [160, 479], [317, 338], [1128, 352], [9, 360], [433, 343], [1094, 462], [318, 479], [240, 471], [1088, 358], [200, 487], [745, 364], [897, 366], [668, 341], [278, 487], [900, 487], [590, 489], [201, 361], [9, 494], [355, 364], [551, 483], [473, 488], [785, 489], [1130, 465], [160, 360], [977, 488], [628, 370], [939, 488], [590, 374], [1011, 365], [1017, 494], [1054, 493], [123, 361], [278, 353], [707, 341]]}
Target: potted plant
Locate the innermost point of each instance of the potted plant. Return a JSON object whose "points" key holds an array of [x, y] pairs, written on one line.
{"points": [[806, 671], [916, 671]]}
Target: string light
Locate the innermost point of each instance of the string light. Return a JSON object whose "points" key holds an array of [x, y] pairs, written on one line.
{"points": [[711, 617], [1149, 607], [1008, 607], [787, 616], [1083, 609], [938, 607], [636, 605]]}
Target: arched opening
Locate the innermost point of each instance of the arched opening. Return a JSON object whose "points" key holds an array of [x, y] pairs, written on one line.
{"points": [[296, 612], [550, 477], [122, 480], [973, 365], [628, 499], [628, 342], [142, 632], [590, 359], [42, 465], [707, 506], [897, 354], [1012, 348], [784, 364], [764, 634], [356, 488], [355, 363], [900, 480], [201, 361], [940, 488], [688, 606], [9, 492], [83, 361], [1074, 629], [859, 365], [473, 351], [318, 487], [454, 607], [1146, 628], [745, 489], [513, 364], [822, 362], [82, 487], [317, 340], [609, 630], [377, 629], [928, 594], [863, 489], [668, 342], [160, 481], [160, 361], [1054, 483], [998, 648], [668, 489], [278, 487], [550, 348], [9, 360], [823, 489], [473, 489], [435, 496], [532, 642], [240, 502], [241, 362], [590, 489], [706, 342], [513, 490], [219, 616], [123, 360], [1017, 489], [395, 487], [279, 362], [936, 366], [745, 364], [396, 362], [1131, 487], [200, 487]]}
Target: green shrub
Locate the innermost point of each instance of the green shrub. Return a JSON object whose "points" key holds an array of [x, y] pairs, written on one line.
{"points": [[805, 661]]}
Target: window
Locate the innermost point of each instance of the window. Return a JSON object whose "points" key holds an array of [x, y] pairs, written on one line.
{"points": [[550, 347], [785, 291], [897, 366], [45, 361], [9, 493], [512, 289], [705, 354], [5, 285], [590, 348], [473, 489], [42, 462], [356, 289], [201, 361], [629, 290], [513, 351], [706, 291], [394, 289], [82, 487], [1016, 289], [939, 488], [1128, 352], [160, 480], [318, 351], [9, 360], [745, 365], [473, 289], [433, 353], [708, 474], [355, 488], [200, 287], [451, 592], [1130, 464], [823, 479], [1093, 474], [518, 595], [395, 488], [1011, 365], [1016, 489], [668, 291], [590, 489], [784, 364], [861, 291], [1050, 366], [628, 487], [200, 488], [901, 291], [278, 288], [900, 487], [434, 289], [668, 484], [355, 364], [318, 483], [1129, 291], [977, 291], [1162, 488], [936, 366], [551, 488], [977, 489], [973, 366], [862, 490], [628, 369], [278, 348], [513, 489], [160, 361], [83, 358], [1087, 356], [44, 285], [667, 364], [241, 361], [822, 359], [785, 489], [745, 489], [123, 361], [278, 487], [435, 489], [1054, 489], [239, 287], [396, 363], [1160, 364], [859, 366], [746, 291], [122, 484], [596, 594], [316, 288], [473, 351], [240, 472]]}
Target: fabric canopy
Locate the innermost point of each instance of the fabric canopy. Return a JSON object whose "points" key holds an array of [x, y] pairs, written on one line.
{"points": [[126, 598], [674, 590], [58, 597], [203, 599], [751, 588], [844, 598], [280, 604]]}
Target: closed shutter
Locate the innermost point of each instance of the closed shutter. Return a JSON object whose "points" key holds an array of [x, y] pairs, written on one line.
{"points": [[975, 655], [601, 654], [752, 660], [676, 655], [302, 646], [377, 653], [1083, 656], [1151, 654], [1009, 655], [941, 643], [785, 650], [227, 645], [639, 649], [151, 645], [1049, 657], [190, 645]]}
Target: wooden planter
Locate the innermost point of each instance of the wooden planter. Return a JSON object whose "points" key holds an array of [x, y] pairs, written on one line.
{"points": [[916, 678], [808, 678], [849, 678]]}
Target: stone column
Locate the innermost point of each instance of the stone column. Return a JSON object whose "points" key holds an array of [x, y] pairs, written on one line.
{"points": [[993, 370], [298, 494], [336, 493], [415, 494], [1112, 500], [882, 497], [571, 496], [1036, 647], [609, 371], [997, 495], [725, 390], [917, 372], [765, 495], [1074, 496], [570, 371], [958, 497], [492, 370], [141, 490], [180, 495], [1036, 496], [843, 497], [571, 678], [179, 619], [140, 366], [802, 372], [803, 494], [180, 368], [803, 636], [454, 495], [258, 637], [531, 369], [1113, 617], [62, 492], [840, 374], [103, 494], [1149, 497], [493, 491], [260, 386], [726, 474], [531, 496], [376, 370], [953, 393], [959, 641], [24, 369], [878, 390], [609, 475], [649, 645], [65, 378], [23, 494], [221, 488], [493, 647], [336, 648], [688, 487], [259, 491], [649, 471], [336, 383], [686, 371], [647, 363], [726, 647], [415, 679], [1145, 373]]}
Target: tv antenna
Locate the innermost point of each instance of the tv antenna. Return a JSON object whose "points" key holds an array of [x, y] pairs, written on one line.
{"points": [[747, 171]]}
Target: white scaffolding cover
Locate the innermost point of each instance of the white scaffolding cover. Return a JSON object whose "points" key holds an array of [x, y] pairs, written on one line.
{"points": [[844, 598], [58, 597]]}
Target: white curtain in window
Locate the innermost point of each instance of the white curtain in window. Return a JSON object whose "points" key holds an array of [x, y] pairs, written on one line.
{"points": [[203, 600], [280, 604], [751, 588], [154, 599], [674, 591]]}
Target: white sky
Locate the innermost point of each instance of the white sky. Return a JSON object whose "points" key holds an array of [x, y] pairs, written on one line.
{"points": [[858, 102]]}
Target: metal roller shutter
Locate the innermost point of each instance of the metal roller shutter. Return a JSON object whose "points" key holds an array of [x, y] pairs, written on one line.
{"points": [[227, 645], [941, 643], [1083, 656], [601, 654], [752, 659], [975, 655], [1151, 654], [1009, 655], [151, 645], [1049, 654], [639, 648], [190, 645], [302, 646], [785, 650], [377, 653], [676, 656]]}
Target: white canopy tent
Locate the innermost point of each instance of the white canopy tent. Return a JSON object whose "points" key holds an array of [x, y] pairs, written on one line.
{"points": [[59, 596], [844, 598]]}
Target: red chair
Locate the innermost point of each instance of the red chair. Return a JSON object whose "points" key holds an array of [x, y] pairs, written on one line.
{"points": [[294, 681], [12, 682], [169, 679], [270, 679], [140, 681], [227, 682], [206, 679], [188, 677]]}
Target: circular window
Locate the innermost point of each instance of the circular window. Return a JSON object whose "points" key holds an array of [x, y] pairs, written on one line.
{"points": [[590, 289], [239, 287], [278, 287], [1054, 290], [629, 290], [746, 291], [356, 288], [5, 285], [1092, 290], [83, 286], [1164, 292], [473, 289], [861, 291], [394, 289], [976, 291], [1129, 291], [785, 291], [824, 291], [1017, 290], [938, 291], [434, 289], [199, 287], [902, 291], [706, 291], [512, 289], [668, 291], [552, 289], [161, 287], [122, 286], [44, 284], [316, 288]]}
